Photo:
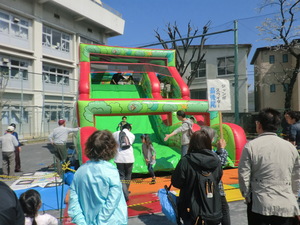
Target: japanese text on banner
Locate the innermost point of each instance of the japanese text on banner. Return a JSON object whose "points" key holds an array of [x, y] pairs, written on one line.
{"points": [[218, 93]]}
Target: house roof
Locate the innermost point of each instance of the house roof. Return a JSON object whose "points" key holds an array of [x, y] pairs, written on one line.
{"points": [[258, 50]]}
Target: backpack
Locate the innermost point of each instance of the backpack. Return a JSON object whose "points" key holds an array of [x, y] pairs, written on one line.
{"points": [[124, 141], [206, 205]]}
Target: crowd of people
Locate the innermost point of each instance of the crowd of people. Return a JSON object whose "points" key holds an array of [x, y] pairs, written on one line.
{"points": [[269, 175]]}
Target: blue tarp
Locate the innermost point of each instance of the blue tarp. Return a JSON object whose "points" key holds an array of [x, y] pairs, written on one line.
{"points": [[49, 196]]}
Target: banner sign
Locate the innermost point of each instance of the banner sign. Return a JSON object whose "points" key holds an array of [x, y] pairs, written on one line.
{"points": [[218, 94]]}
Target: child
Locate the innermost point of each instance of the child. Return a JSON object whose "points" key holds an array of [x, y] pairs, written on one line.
{"points": [[122, 123], [149, 155], [31, 203]]}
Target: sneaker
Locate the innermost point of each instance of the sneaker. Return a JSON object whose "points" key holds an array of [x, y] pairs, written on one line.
{"points": [[153, 181]]}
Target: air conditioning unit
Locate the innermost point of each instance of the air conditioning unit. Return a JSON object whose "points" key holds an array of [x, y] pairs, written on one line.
{"points": [[16, 20], [5, 60]]}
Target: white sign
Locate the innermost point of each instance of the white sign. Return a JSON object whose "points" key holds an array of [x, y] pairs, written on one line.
{"points": [[218, 94]]}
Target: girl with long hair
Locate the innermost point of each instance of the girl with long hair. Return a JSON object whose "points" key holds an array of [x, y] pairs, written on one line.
{"points": [[31, 203], [149, 155]]}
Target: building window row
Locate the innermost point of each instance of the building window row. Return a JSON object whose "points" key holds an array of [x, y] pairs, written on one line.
{"points": [[55, 39], [13, 26], [56, 75], [54, 112], [14, 114], [285, 58], [14, 68], [273, 87], [225, 67]]}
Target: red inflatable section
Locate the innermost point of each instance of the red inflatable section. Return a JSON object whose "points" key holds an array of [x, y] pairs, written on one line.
{"points": [[85, 133], [185, 91], [240, 140]]}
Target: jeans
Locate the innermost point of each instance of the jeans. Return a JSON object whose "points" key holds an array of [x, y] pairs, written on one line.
{"points": [[184, 149], [125, 172], [17, 159], [150, 169]]}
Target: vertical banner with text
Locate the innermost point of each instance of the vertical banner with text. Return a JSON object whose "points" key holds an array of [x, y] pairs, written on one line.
{"points": [[218, 94]]}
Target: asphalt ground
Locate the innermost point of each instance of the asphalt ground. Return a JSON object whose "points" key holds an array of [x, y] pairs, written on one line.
{"points": [[37, 157]]}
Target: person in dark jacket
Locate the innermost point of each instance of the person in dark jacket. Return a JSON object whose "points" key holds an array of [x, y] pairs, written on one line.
{"points": [[293, 118], [10, 209], [200, 157], [17, 150]]}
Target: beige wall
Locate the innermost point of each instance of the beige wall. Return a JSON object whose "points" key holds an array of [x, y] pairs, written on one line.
{"points": [[267, 74], [212, 53]]}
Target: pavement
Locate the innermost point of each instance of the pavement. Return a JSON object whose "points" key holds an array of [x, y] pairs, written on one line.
{"points": [[37, 156]]}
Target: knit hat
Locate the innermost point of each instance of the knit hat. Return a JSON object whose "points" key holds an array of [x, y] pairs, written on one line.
{"points": [[10, 129], [61, 122]]}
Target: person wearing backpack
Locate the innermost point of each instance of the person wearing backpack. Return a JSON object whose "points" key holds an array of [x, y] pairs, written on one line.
{"points": [[222, 155], [185, 129], [125, 157], [197, 175]]}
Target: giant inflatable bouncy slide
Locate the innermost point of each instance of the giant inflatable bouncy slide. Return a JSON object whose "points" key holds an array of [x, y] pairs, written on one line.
{"points": [[139, 97]]}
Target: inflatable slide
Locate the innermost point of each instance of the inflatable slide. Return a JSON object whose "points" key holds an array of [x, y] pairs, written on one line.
{"points": [[139, 97]]}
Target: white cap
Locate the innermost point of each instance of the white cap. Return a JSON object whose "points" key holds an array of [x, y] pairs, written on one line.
{"points": [[10, 129]]}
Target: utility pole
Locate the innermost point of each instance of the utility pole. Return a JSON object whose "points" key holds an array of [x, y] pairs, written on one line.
{"points": [[236, 75]]}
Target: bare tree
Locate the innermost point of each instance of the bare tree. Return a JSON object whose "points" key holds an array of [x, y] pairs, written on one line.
{"points": [[182, 63], [282, 30], [4, 76]]}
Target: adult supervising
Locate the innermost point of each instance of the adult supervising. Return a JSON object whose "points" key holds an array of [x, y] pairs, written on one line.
{"points": [[58, 139]]}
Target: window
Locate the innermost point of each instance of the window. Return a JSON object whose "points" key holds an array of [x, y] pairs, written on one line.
{"points": [[56, 39], [13, 114], [201, 71], [57, 111], [14, 25], [14, 68], [56, 75], [272, 88], [198, 94], [271, 59], [285, 58], [285, 87], [225, 66]]}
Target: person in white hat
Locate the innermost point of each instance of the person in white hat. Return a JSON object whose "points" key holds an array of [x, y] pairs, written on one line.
{"points": [[9, 143]]}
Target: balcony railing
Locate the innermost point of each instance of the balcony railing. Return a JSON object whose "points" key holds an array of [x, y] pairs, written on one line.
{"points": [[105, 6]]}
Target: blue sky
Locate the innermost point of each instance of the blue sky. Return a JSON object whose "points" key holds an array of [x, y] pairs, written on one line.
{"points": [[142, 17]]}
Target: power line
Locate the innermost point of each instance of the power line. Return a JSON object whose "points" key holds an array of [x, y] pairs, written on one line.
{"points": [[180, 39]]}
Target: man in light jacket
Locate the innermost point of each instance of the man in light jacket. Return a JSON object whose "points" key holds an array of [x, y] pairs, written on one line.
{"points": [[58, 139], [269, 174], [9, 143]]}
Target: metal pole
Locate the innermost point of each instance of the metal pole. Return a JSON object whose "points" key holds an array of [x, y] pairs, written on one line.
{"points": [[43, 109], [22, 100], [62, 90], [236, 75]]}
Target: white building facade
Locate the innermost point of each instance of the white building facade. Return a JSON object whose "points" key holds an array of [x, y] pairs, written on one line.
{"points": [[39, 43], [218, 63]]}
